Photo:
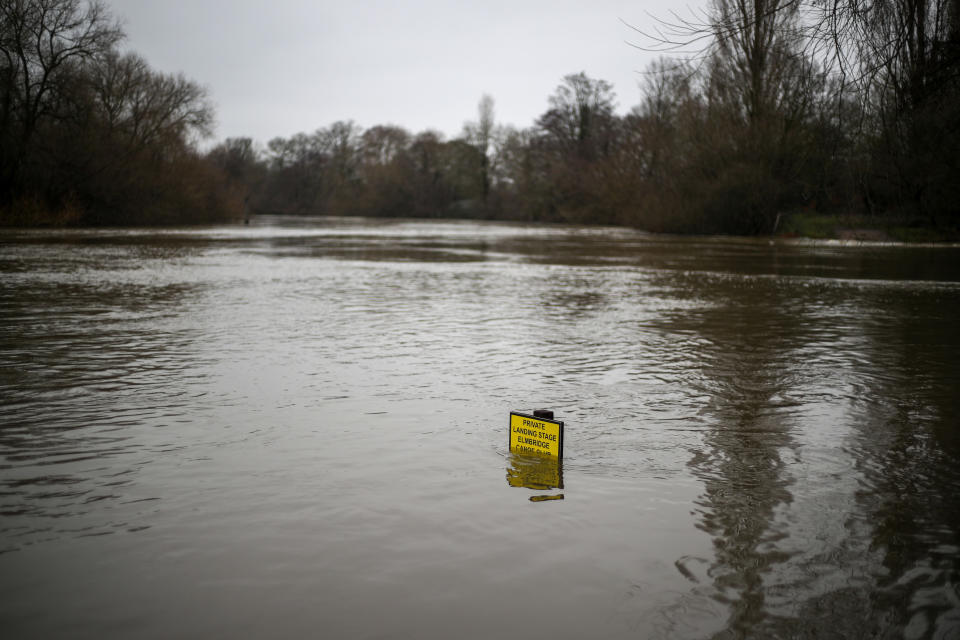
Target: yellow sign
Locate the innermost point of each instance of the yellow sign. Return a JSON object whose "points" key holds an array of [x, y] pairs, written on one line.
{"points": [[538, 436]]}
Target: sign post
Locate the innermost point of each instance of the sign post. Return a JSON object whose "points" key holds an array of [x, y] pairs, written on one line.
{"points": [[537, 434]]}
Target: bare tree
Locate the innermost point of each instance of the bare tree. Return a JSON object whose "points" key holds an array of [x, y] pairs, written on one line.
{"points": [[238, 158], [40, 42], [890, 73], [145, 107], [903, 56], [579, 108], [382, 144], [481, 135], [757, 47]]}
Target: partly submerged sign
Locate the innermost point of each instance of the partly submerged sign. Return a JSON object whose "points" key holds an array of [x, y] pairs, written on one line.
{"points": [[535, 435]]}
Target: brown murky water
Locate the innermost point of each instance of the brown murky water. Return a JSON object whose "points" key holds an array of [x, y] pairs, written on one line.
{"points": [[299, 429]]}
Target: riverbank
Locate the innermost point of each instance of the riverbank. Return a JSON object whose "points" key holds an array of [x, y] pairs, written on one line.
{"points": [[187, 209], [801, 226], [864, 228]]}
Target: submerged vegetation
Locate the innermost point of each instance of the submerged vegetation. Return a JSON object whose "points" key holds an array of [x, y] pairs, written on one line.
{"points": [[789, 116]]}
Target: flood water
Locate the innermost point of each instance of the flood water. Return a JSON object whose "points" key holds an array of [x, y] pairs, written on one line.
{"points": [[299, 429]]}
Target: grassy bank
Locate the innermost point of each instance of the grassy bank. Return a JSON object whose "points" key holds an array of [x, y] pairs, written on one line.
{"points": [[865, 228]]}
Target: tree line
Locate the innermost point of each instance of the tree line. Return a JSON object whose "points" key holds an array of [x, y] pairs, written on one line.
{"points": [[783, 106], [757, 110]]}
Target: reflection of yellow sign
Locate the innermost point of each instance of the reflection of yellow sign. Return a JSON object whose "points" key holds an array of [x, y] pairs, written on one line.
{"points": [[537, 436], [535, 472]]}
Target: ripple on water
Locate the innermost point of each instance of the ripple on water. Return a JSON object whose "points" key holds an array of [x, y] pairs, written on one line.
{"points": [[308, 419]]}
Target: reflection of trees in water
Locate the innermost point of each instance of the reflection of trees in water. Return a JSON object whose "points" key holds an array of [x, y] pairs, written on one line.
{"points": [[899, 564], [747, 370], [906, 450]]}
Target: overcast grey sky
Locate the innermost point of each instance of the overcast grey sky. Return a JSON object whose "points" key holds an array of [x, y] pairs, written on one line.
{"points": [[278, 67]]}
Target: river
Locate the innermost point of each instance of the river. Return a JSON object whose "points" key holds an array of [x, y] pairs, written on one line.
{"points": [[299, 428]]}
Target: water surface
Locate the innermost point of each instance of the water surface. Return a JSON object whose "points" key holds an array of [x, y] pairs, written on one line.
{"points": [[299, 429]]}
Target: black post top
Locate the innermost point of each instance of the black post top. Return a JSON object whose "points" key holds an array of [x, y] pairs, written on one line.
{"points": [[547, 414]]}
